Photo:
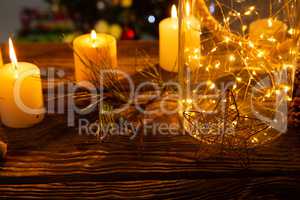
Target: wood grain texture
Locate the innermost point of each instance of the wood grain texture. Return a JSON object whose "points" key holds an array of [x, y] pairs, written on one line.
{"points": [[54, 161], [230, 188]]}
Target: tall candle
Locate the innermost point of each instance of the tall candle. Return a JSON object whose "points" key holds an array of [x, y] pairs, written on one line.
{"points": [[93, 51], [1, 59], [168, 41], [21, 97]]}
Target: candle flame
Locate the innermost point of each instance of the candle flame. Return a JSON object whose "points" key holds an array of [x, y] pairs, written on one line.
{"points": [[270, 23], [93, 38], [187, 8], [12, 54], [174, 11], [93, 34]]}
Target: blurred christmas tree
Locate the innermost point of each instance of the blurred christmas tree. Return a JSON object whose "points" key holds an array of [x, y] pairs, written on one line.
{"points": [[125, 19]]}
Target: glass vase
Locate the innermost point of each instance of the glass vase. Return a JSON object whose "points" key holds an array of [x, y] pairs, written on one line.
{"points": [[237, 60]]}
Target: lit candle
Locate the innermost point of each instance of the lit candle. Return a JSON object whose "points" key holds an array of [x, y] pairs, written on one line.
{"points": [[21, 97], [1, 60], [93, 50], [267, 32], [168, 41]]}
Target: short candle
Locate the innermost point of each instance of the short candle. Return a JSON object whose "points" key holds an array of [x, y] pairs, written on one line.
{"points": [[93, 50], [21, 97]]}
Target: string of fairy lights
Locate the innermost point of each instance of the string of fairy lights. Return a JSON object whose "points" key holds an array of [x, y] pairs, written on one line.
{"points": [[246, 59], [255, 54]]}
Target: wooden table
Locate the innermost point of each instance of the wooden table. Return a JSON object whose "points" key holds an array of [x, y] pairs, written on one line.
{"points": [[53, 161]]}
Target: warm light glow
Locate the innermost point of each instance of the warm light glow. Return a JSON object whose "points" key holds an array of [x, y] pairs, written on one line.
{"points": [[210, 84], [261, 36], [268, 94], [238, 79], [289, 98], [174, 12], [93, 34], [12, 53], [287, 88], [226, 39], [187, 8], [217, 65], [254, 140], [270, 23], [187, 101], [287, 66], [214, 49], [291, 31], [248, 12], [231, 58], [251, 44], [252, 8], [260, 54], [93, 38], [272, 39]]}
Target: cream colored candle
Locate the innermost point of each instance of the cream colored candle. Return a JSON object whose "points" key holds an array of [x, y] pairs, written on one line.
{"points": [[267, 32], [93, 51], [168, 41], [1, 59], [21, 97]]}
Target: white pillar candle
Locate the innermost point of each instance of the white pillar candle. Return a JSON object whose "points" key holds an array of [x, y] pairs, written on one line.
{"points": [[93, 50], [1, 59], [168, 41], [21, 97]]}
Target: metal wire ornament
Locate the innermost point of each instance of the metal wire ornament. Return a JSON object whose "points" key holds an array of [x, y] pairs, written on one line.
{"points": [[225, 124]]}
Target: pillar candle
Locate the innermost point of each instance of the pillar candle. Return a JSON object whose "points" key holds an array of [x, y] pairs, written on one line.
{"points": [[93, 51], [1, 59], [168, 41], [21, 97]]}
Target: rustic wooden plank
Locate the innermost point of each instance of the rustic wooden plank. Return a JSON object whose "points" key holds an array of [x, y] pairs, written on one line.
{"points": [[52, 150], [230, 188]]}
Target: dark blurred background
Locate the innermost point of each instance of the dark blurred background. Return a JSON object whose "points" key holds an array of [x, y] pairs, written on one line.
{"points": [[62, 20]]}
